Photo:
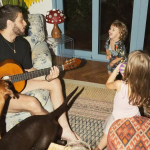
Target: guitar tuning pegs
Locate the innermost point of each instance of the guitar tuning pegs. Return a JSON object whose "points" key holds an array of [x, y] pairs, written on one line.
{"points": [[67, 60]]}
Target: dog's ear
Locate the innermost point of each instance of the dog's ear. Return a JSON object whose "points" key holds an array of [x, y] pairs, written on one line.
{"points": [[6, 89], [12, 88], [3, 88]]}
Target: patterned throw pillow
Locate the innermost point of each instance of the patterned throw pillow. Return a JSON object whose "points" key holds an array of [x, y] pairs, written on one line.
{"points": [[36, 33], [41, 56], [129, 134]]}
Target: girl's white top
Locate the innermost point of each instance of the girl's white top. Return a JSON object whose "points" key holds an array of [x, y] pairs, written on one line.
{"points": [[121, 107]]}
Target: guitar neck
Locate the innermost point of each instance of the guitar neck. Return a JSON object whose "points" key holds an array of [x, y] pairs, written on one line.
{"points": [[32, 74]]}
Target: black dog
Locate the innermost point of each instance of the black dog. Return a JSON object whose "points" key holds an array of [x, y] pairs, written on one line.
{"points": [[36, 132]]}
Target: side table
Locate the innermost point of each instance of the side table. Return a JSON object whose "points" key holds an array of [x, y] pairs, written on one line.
{"points": [[62, 53]]}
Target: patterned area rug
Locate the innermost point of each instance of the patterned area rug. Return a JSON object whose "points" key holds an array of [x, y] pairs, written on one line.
{"points": [[90, 110]]}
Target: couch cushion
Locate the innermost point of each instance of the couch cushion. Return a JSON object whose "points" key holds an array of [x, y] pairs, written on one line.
{"points": [[42, 95], [36, 33], [41, 56]]}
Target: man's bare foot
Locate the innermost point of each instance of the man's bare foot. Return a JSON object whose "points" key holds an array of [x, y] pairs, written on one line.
{"points": [[96, 148], [77, 136], [69, 135]]}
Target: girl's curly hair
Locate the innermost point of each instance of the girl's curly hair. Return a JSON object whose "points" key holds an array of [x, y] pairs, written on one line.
{"points": [[122, 29]]}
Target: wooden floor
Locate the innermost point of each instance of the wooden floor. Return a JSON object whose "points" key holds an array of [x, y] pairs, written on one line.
{"points": [[90, 71]]}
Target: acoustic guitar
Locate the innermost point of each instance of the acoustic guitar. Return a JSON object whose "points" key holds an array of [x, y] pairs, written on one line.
{"points": [[12, 71]]}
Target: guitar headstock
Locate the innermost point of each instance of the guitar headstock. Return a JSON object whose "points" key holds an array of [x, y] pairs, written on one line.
{"points": [[71, 63]]}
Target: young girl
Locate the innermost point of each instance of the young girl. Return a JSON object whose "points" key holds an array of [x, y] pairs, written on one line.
{"points": [[115, 48], [131, 92]]}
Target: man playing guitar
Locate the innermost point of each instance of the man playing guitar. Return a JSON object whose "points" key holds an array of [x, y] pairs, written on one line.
{"points": [[14, 46]]}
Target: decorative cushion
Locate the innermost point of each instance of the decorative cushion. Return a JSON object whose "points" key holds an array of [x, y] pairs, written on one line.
{"points": [[36, 33], [41, 56], [129, 133]]}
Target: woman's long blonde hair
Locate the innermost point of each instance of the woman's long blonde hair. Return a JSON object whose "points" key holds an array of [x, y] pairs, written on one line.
{"points": [[137, 76]]}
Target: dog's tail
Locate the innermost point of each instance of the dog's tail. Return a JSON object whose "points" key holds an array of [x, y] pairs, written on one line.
{"points": [[64, 106]]}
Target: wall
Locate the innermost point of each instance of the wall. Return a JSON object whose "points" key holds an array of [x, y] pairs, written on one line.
{"points": [[41, 8], [1, 4]]}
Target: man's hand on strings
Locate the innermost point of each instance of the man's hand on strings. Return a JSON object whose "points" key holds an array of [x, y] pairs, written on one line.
{"points": [[54, 73]]}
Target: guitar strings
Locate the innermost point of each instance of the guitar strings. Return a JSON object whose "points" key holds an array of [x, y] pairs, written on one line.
{"points": [[10, 46]]}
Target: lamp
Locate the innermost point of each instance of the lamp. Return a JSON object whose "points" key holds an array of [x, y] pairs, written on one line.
{"points": [[55, 17]]}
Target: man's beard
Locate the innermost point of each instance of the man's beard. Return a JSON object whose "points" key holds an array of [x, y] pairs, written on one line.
{"points": [[17, 31]]}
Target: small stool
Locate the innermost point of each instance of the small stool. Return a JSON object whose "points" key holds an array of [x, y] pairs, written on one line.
{"points": [[129, 133]]}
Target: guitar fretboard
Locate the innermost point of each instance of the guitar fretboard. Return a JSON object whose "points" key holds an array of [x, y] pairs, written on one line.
{"points": [[32, 74]]}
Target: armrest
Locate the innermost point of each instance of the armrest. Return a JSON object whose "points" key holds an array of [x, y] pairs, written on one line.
{"points": [[41, 56]]}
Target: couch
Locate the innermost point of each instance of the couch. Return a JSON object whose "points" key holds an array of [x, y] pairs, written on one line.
{"points": [[41, 58]]}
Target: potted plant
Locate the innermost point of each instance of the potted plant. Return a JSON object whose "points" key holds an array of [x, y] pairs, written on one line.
{"points": [[22, 3]]}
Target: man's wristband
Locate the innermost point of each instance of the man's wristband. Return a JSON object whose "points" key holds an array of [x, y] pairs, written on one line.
{"points": [[46, 79]]}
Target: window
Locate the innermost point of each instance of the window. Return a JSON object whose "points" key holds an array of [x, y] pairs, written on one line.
{"points": [[111, 10], [88, 23], [78, 23]]}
